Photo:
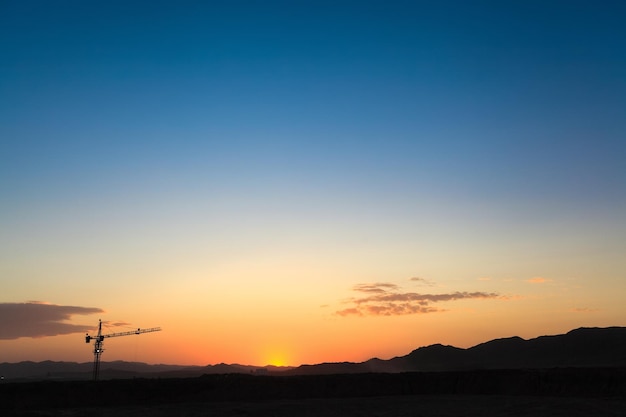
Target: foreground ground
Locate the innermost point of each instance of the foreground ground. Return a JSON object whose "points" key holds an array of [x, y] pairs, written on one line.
{"points": [[540, 392], [396, 406]]}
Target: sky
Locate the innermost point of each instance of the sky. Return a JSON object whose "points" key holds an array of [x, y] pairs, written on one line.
{"points": [[308, 181]]}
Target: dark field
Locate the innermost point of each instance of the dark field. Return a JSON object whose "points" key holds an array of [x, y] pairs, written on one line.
{"points": [[413, 406], [554, 392]]}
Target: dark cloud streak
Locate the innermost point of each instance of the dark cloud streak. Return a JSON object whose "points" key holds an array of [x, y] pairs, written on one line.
{"points": [[378, 287], [36, 319]]}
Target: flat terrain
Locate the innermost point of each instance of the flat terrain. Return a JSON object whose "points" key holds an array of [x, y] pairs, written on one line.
{"points": [[540, 392], [396, 406]]}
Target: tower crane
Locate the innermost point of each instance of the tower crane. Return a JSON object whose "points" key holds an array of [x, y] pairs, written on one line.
{"points": [[99, 341]]}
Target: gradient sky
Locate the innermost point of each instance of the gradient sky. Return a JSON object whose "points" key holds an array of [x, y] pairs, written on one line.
{"points": [[297, 182]]}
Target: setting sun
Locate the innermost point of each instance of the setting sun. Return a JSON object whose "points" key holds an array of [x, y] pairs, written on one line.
{"points": [[276, 357], [277, 361]]}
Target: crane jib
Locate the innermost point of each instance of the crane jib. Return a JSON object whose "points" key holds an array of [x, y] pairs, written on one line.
{"points": [[138, 331], [99, 341]]}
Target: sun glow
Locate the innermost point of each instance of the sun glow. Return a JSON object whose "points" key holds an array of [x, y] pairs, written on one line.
{"points": [[277, 358], [277, 362]]}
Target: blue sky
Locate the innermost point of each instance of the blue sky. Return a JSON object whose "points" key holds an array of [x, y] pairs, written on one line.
{"points": [[367, 88], [408, 138]]}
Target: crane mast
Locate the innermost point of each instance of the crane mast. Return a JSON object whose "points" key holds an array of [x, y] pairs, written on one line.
{"points": [[99, 341]]}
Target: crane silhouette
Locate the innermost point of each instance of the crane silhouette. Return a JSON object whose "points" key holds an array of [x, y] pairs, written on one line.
{"points": [[99, 341]]}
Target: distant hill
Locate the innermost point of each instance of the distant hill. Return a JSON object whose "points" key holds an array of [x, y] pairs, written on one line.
{"points": [[49, 370], [579, 348], [584, 347], [83, 371]]}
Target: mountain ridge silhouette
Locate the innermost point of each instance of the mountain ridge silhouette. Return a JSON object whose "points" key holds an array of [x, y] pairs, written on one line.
{"points": [[581, 347]]}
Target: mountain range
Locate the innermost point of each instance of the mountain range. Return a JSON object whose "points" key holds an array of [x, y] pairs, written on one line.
{"points": [[579, 348]]}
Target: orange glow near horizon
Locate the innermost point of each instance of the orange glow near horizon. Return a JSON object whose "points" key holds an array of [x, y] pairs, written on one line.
{"points": [[209, 329], [353, 339]]}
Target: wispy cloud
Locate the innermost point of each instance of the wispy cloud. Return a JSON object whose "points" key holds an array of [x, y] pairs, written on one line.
{"points": [[377, 287], [584, 310], [422, 281], [385, 299], [116, 323], [38, 319], [537, 280]]}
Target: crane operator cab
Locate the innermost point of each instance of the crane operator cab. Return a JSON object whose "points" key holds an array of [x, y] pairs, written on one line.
{"points": [[88, 338]]}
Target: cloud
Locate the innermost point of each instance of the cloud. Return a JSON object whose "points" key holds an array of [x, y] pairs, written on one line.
{"points": [[38, 319], [377, 287], [116, 323], [584, 310], [422, 281], [383, 299], [537, 280]]}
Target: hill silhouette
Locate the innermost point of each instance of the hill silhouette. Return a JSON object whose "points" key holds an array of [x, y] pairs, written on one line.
{"points": [[579, 348], [583, 347]]}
